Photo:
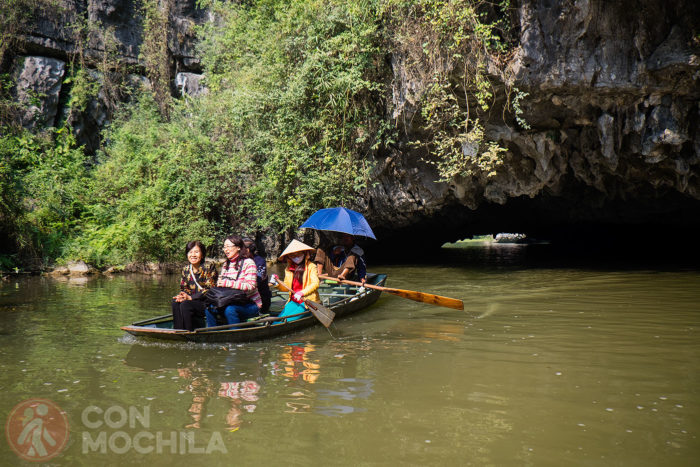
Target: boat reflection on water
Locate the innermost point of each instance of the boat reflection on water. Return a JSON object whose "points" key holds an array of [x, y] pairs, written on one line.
{"points": [[208, 376], [227, 384], [300, 365], [241, 394], [295, 363]]}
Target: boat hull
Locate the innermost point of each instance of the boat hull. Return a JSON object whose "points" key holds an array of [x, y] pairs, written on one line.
{"points": [[343, 300]]}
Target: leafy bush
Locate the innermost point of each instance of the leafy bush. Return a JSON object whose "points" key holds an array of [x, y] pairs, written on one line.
{"points": [[42, 179], [302, 87], [458, 51], [295, 112], [157, 184]]}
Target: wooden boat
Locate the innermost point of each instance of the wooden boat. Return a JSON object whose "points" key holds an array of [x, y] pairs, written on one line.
{"points": [[341, 298]]}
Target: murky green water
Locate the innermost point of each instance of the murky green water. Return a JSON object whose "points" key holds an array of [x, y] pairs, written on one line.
{"points": [[555, 362]]}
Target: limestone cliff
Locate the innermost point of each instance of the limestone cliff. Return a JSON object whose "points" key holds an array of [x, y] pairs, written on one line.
{"points": [[94, 32], [614, 139]]}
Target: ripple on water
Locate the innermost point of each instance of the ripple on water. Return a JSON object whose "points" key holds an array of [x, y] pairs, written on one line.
{"points": [[517, 374]]}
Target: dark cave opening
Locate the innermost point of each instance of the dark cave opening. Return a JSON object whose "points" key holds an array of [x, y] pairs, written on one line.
{"points": [[627, 233]]}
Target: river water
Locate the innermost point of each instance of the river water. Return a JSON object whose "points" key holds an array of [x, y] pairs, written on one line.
{"points": [[555, 361]]}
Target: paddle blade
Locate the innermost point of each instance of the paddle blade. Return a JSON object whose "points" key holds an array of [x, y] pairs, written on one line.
{"points": [[428, 298], [323, 314]]}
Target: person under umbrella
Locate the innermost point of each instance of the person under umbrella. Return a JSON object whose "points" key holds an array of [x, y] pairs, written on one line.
{"points": [[344, 261]]}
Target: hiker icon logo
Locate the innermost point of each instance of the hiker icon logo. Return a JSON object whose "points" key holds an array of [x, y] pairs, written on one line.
{"points": [[37, 430]]}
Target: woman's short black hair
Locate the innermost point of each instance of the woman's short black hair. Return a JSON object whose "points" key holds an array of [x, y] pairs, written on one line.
{"points": [[193, 244], [250, 244]]}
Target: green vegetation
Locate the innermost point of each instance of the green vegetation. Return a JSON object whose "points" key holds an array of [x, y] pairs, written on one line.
{"points": [[294, 105], [459, 50], [156, 184], [155, 51], [43, 175], [296, 109], [300, 99], [477, 240], [42, 179]]}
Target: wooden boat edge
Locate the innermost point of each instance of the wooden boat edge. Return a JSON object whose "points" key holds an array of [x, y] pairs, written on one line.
{"points": [[251, 333]]}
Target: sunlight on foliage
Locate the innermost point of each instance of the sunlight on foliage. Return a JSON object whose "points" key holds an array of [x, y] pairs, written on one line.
{"points": [[295, 113], [457, 49], [293, 110]]}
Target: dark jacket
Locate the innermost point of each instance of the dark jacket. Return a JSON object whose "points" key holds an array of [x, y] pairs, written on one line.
{"points": [[262, 279], [206, 278]]}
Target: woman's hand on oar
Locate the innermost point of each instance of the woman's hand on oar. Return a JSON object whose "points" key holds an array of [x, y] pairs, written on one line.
{"points": [[422, 297], [324, 314]]}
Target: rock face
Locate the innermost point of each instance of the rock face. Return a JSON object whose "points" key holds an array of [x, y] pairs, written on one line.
{"points": [[116, 28], [190, 84], [614, 140], [38, 85], [613, 92], [115, 24]]}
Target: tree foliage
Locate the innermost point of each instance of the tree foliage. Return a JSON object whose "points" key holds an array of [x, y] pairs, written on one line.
{"points": [[295, 111], [458, 50], [42, 178]]}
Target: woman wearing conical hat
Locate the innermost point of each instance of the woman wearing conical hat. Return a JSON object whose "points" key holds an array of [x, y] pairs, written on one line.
{"points": [[300, 276]]}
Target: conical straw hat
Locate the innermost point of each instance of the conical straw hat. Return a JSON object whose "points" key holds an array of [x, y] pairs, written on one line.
{"points": [[295, 247]]}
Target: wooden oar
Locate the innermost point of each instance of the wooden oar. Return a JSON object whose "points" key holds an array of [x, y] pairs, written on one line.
{"points": [[323, 314], [410, 294]]}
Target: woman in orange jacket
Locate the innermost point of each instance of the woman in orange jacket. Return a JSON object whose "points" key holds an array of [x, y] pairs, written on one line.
{"points": [[300, 276]]}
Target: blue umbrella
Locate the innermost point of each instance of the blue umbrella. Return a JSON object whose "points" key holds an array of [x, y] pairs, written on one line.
{"points": [[339, 220]]}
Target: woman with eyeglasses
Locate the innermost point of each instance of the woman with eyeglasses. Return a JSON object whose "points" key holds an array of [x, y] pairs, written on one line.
{"points": [[238, 272], [197, 278]]}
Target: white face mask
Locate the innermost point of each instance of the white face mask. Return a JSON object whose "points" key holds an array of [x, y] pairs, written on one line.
{"points": [[297, 259]]}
